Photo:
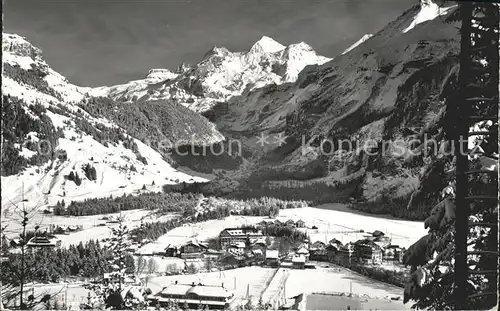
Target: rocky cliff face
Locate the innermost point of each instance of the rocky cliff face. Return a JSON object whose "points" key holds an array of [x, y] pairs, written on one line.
{"points": [[387, 91]]}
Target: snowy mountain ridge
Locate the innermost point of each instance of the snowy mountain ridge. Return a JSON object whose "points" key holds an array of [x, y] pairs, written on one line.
{"points": [[220, 75], [429, 10]]}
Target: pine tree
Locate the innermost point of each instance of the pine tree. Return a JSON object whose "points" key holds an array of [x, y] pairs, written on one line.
{"points": [[120, 262], [441, 281]]}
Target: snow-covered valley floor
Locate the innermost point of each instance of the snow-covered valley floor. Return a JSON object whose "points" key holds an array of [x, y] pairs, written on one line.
{"points": [[332, 221]]}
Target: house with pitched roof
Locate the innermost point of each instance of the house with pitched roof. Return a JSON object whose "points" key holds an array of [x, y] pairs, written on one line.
{"points": [[318, 245], [290, 223], [272, 258], [193, 249], [367, 251], [300, 223], [299, 262], [304, 252]]}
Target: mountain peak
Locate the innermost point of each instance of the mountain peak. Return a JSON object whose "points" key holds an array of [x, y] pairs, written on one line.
{"points": [[20, 46], [300, 46], [429, 10], [267, 45], [215, 50]]}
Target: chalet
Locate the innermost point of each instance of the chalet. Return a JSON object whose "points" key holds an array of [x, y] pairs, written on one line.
{"points": [[299, 262], [331, 251], [318, 245], [368, 251], [44, 241], [318, 254], [193, 250], [303, 251], [290, 223], [378, 233], [272, 258], [194, 295], [334, 241], [171, 251], [300, 224], [278, 223], [234, 235]]}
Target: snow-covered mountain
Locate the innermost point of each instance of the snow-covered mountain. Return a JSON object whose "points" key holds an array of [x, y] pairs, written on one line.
{"points": [[220, 75], [389, 88], [429, 10], [55, 149]]}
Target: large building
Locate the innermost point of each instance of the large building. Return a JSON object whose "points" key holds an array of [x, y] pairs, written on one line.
{"points": [[192, 250], [344, 255], [194, 295], [368, 251], [44, 242], [235, 235]]}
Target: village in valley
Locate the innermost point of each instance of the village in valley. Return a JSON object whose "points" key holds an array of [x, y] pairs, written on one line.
{"points": [[324, 174], [258, 263]]}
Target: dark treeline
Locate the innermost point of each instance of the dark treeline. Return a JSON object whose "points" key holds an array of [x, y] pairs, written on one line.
{"points": [[268, 206], [178, 202], [164, 202], [51, 265], [17, 123], [194, 187], [153, 231]]}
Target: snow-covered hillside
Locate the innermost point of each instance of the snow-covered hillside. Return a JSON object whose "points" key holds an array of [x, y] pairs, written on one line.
{"points": [[48, 139], [428, 11], [220, 75]]}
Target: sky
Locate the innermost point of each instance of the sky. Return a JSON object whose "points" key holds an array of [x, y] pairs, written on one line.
{"points": [[107, 42]]}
